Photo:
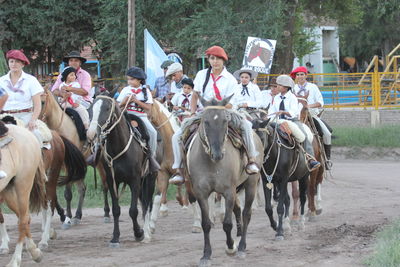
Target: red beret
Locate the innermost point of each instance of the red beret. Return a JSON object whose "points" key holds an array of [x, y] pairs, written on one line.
{"points": [[18, 54], [217, 51], [298, 69]]}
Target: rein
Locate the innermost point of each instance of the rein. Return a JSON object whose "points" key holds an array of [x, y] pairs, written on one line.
{"points": [[46, 104]]}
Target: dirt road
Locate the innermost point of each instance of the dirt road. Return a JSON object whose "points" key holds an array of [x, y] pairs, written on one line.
{"points": [[360, 198]]}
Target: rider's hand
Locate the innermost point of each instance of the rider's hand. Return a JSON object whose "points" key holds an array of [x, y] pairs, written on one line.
{"points": [[32, 124]]}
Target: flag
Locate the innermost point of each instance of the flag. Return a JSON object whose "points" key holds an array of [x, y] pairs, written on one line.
{"points": [[154, 56]]}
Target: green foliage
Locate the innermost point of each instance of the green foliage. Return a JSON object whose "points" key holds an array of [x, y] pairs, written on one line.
{"points": [[387, 249], [3, 64], [384, 136], [377, 31], [43, 27]]}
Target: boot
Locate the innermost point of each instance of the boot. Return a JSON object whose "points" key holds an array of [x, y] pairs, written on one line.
{"points": [[177, 178], [313, 165], [328, 163], [153, 164]]}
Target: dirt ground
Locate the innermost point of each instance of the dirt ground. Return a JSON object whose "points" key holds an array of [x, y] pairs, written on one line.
{"points": [[358, 200]]}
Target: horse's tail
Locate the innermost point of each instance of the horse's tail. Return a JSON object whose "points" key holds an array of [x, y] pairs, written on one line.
{"points": [[74, 162], [147, 192], [37, 198]]}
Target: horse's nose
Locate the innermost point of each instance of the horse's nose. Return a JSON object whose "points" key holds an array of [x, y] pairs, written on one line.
{"points": [[217, 156]]}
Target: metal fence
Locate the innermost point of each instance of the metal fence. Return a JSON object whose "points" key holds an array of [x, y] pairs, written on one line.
{"points": [[354, 90]]}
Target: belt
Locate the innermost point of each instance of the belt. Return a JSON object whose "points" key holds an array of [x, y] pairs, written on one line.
{"points": [[13, 111], [251, 108], [136, 109]]}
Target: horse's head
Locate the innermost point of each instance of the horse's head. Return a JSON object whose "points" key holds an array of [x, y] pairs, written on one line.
{"points": [[102, 112], [214, 127]]}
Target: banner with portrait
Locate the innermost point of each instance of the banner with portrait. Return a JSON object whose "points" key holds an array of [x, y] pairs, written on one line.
{"points": [[259, 54]]}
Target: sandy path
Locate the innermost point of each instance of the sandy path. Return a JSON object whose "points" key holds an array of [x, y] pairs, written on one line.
{"points": [[362, 196]]}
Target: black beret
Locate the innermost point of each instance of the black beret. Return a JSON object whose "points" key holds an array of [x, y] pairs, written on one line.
{"points": [[137, 73], [66, 72]]}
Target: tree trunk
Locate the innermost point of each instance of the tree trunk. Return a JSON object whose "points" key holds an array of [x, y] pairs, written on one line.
{"points": [[131, 34], [284, 55]]}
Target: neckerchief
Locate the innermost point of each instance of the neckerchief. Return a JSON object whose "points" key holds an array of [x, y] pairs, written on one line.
{"points": [[216, 90], [136, 91], [282, 107], [186, 100], [16, 88], [245, 90], [302, 88]]}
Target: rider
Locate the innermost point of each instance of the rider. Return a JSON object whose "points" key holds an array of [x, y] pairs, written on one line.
{"points": [[314, 102], [24, 92], [286, 106], [247, 94], [139, 100], [215, 83], [181, 101]]}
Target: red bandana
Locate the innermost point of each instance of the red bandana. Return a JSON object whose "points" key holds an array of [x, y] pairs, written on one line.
{"points": [[216, 90]]}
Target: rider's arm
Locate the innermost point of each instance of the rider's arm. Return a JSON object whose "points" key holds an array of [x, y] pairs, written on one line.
{"points": [[193, 102]]}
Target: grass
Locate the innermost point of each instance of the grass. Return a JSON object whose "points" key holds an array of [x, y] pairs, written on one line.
{"points": [[387, 249], [383, 136]]}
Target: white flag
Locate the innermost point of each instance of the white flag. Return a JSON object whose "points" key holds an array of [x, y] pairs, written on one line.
{"points": [[154, 56]]}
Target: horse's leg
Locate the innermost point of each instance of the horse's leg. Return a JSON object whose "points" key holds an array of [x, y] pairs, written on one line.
{"points": [[106, 208], [311, 195], [46, 224], [238, 217], [133, 210], [268, 203], [4, 236], [230, 198], [286, 219], [68, 199], [116, 211], [250, 188], [281, 209], [82, 191], [160, 196], [319, 199], [303, 182], [206, 225], [60, 212], [295, 197]]}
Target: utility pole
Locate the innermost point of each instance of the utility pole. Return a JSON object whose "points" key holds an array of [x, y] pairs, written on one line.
{"points": [[131, 34]]}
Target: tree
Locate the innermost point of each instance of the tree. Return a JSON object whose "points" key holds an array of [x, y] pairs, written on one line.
{"points": [[47, 28]]}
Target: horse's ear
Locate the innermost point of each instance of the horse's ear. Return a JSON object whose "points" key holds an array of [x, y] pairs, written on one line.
{"points": [[226, 100], [204, 102], [264, 123]]}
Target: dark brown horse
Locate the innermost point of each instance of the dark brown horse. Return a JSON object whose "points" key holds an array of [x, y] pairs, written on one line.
{"points": [[124, 161]]}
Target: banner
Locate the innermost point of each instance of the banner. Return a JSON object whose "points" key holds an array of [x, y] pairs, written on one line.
{"points": [[154, 56], [259, 54]]}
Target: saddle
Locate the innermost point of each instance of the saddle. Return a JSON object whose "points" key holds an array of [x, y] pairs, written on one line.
{"points": [[139, 130], [284, 132], [4, 138]]}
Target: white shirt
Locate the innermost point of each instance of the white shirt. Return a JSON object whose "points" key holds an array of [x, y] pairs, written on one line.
{"points": [[20, 94], [314, 95], [252, 97], [174, 87], [290, 102], [226, 84], [178, 99], [75, 84], [129, 90]]}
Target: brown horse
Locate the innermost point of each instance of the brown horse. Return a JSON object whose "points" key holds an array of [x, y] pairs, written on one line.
{"points": [[316, 176], [166, 125], [57, 120], [23, 188], [61, 151]]}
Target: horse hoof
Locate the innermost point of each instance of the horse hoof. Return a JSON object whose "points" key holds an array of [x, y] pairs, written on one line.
{"points": [[114, 245], [43, 246], [37, 255], [319, 211], [75, 221], [241, 255], [205, 263], [140, 237], [4, 251], [279, 238], [163, 210], [107, 220], [231, 251], [196, 230], [53, 234], [152, 230], [184, 207]]}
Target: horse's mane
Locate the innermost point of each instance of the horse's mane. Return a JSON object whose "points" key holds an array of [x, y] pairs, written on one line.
{"points": [[164, 110]]}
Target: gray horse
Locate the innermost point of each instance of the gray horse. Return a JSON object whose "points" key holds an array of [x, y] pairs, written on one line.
{"points": [[214, 164]]}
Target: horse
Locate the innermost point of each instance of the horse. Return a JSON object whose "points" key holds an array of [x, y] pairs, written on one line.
{"points": [[56, 119], [214, 164], [166, 125], [61, 152], [23, 188], [124, 162], [284, 162], [316, 176]]}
